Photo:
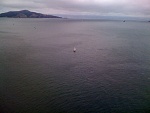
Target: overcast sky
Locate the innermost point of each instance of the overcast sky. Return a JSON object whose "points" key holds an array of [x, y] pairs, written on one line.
{"points": [[83, 7]]}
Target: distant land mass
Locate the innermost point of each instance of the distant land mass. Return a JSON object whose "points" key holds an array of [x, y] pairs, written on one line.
{"points": [[26, 14]]}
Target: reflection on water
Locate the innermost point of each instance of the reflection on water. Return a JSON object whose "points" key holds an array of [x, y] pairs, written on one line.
{"points": [[39, 72]]}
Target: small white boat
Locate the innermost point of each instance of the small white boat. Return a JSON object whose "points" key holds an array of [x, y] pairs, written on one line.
{"points": [[74, 49]]}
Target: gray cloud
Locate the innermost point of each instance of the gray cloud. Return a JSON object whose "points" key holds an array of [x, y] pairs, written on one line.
{"points": [[97, 7]]}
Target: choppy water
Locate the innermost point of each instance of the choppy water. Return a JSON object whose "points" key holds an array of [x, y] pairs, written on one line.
{"points": [[40, 73]]}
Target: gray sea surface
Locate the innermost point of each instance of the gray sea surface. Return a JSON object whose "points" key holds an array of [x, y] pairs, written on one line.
{"points": [[40, 73]]}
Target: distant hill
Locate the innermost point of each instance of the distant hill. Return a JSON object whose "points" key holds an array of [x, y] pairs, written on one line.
{"points": [[26, 14]]}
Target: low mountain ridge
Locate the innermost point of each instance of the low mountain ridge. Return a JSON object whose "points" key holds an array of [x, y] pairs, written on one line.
{"points": [[26, 14]]}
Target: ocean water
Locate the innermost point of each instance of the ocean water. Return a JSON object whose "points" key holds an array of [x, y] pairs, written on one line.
{"points": [[40, 73]]}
